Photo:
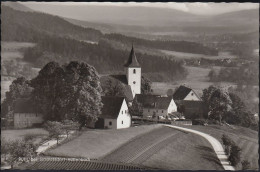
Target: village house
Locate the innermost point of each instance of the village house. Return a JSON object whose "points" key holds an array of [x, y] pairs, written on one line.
{"points": [[25, 115], [189, 100], [115, 113], [157, 107]]}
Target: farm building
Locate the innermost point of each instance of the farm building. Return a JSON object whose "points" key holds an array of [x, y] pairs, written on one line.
{"points": [[156, 106], [185, 93], [115, 113], [191, 108], [25, 115]]}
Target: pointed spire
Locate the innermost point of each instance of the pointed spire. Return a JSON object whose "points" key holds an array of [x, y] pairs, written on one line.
{"points": [[132, 61]]}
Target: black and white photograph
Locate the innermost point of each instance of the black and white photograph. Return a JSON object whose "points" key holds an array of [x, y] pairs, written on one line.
{"points": [[129, 85]]}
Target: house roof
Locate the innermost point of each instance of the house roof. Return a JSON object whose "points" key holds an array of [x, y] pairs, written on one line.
{"points": [[181, 93], [153, 101], [23, 105], [132, 61], [111, 106]]}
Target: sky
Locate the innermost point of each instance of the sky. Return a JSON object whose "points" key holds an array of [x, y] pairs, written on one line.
{"points": [[195, 8]]}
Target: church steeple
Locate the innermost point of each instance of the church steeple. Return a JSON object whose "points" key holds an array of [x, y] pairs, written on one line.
{"points": [[132, 61], [133, 73]]}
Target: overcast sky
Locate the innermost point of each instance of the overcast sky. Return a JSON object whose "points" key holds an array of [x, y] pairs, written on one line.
{"points": [[196, 8]]}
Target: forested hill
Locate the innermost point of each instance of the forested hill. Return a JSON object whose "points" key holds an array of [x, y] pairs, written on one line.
{"points": [[28, 26], [58, 40], [180, 46]]}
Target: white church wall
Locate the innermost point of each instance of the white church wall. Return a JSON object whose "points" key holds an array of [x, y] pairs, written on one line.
{"points": [[124, 118], [134, 79]]}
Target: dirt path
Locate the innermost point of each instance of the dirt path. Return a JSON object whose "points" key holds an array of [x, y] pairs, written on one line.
{"points": [[215, 144]]}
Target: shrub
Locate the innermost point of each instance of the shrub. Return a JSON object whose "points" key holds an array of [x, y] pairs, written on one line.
{"points": [[245, 165], [234, 156], [198, 122]]}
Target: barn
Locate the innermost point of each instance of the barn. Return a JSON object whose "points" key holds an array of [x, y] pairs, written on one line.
{"points": [[25, 115], [114, 113]]}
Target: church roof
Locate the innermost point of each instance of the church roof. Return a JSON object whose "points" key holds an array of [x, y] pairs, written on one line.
{"points": [[111, 106], [132, 61], [181, 93], [153, 101]]}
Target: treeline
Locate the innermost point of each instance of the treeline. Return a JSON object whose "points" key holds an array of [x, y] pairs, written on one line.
{"points": [[180, 46], [30, 26], [102, 56]]}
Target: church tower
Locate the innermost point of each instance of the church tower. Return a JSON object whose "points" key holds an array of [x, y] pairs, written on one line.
{"points": [[133, 73]]}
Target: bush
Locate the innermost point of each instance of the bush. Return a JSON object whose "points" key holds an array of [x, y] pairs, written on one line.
{"points": [[198, 122], [234, 156], [245, 165]]}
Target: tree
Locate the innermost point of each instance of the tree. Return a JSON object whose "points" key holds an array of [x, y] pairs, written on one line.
{"points": [[4, 147], [48, 91], [181, 108], [146, 87], [227, 142], [18, 89], [69, 125], [82, 93], [235, 154], [246, 165], [212, 75], [219, 104], [18, 149], [170, 92], [206, 97], [136, 109], [113, 88], [55, 129]]}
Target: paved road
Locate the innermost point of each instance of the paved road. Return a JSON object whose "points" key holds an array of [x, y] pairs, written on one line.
{"points": [[215, 144]]}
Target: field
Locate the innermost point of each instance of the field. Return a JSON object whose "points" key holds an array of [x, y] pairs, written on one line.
{"points": [[96, 143], [246, 139], [181, 55], [167, 149], [13, 50], [38, 133], [197, 79]]}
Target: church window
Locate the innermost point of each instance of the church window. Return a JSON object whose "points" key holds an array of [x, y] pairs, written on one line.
{"points": [[134, 82], [122, 112], [162, 111], [110, 123], [125, 111], [122, 122], [134, 71]]}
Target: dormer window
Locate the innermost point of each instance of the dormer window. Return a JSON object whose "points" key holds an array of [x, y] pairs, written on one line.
{"points": [[134, 71]]}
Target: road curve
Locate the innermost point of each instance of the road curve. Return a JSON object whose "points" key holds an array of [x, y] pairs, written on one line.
{"points": [[215, 144]]}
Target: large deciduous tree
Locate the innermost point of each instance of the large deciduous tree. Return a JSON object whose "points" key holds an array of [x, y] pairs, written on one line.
{"points": [[48, 91], [82, 92], [71, 91], [219, 104]]}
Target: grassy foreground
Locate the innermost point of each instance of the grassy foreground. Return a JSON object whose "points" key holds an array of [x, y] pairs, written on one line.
{"points": [[96, 143]]}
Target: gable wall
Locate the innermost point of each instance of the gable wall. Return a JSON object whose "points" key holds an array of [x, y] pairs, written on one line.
{"points": [[124, 117], [192, 96]]}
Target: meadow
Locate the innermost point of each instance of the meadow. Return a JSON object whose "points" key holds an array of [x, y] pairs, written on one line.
{"points": [[197, 79], [96, 143], [18, 134]]}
